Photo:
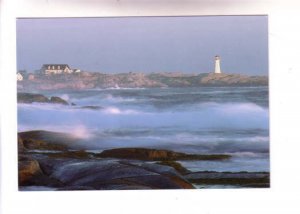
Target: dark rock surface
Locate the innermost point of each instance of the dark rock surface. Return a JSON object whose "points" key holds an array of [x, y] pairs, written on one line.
{"points": [[91, 107], [30, 98], [45, 140], [28, 168], [157, 155], [105, 174], [78, 154], [46, 162], [80, 170], [41, 145], [177, 166], [31, 174], [246, 179], [101, 174], [39, 98], [58, 100], [21, 147]]}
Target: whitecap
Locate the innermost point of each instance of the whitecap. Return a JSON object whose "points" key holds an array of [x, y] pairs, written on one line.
{"points": [[116, 111]]}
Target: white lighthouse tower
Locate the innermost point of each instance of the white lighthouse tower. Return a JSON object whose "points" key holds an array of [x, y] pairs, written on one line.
{"points": [[217, 65]]}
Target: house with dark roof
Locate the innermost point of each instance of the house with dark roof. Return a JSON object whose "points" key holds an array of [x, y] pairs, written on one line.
{"points": [[56, 69]]}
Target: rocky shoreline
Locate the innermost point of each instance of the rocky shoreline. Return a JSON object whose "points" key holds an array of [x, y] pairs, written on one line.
{"points": [[93, 80], [29, 98], [39, 98], [48, 162]]}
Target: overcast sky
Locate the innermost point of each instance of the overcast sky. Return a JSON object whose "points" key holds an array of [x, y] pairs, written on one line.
{"points": [[146, 44]]}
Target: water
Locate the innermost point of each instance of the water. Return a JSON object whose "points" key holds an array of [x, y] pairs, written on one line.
{"points": [[231, 120]]}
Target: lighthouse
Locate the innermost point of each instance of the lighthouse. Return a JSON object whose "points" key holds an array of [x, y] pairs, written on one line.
{"points": [[217, 65]]}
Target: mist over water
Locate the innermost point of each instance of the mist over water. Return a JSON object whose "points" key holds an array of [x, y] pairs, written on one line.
{"points": [[233, 120]]}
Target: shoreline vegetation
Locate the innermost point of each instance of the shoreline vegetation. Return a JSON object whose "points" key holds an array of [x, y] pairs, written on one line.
{"points": [[95, 80], [47, 160]]}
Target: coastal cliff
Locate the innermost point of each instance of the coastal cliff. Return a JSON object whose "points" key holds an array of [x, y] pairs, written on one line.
{"points": [[90, 80]]}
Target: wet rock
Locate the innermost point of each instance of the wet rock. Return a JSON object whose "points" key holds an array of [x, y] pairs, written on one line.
{"points": [[170, 173], [30, 98], [157, 155], [80, 154], [177, 166], [45, 140], [31, 173], [68, 188], [41, 145], [50, 165], [39, 98], [58, 100], [21, 147], [108, 174], [91, 107], [28, 168], [245, 179]]}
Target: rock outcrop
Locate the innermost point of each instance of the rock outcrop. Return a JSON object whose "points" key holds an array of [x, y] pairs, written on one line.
{"points": [[47, 161], [45, 140], [91, 107], [106, 174], [157, 155], [65, 169], [177, 166], [30, 98], [39, 98], [58, 100], [28, 168]]}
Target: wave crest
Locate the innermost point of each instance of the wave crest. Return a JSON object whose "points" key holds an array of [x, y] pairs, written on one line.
{"points": [[115, 110]]}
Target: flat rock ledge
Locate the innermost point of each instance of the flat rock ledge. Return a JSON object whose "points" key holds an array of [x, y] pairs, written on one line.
{"points": [[157, 155]]}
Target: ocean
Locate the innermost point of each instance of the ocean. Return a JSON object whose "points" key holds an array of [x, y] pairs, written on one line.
{"points": [[202, 120]]}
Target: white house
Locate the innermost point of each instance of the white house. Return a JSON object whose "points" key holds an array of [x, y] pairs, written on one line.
{"points": [[56, 69], [19, 76]]}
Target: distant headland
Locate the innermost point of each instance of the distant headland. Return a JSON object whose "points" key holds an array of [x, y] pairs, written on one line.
{"points": [[62, 76]]}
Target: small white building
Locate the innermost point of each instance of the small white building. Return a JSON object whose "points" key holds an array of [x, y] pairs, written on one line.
{"points": [[19, 76], [56, 69]]}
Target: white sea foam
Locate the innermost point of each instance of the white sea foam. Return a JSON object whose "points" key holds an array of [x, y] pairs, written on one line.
{"points": [[117, 99], [112, 110], [65, 97], [115, 110], [76, 130], [161, 119], [209, 116], [249, 155]]}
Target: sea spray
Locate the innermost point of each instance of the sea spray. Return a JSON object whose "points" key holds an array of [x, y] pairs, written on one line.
{"points": [[194, 120]]}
